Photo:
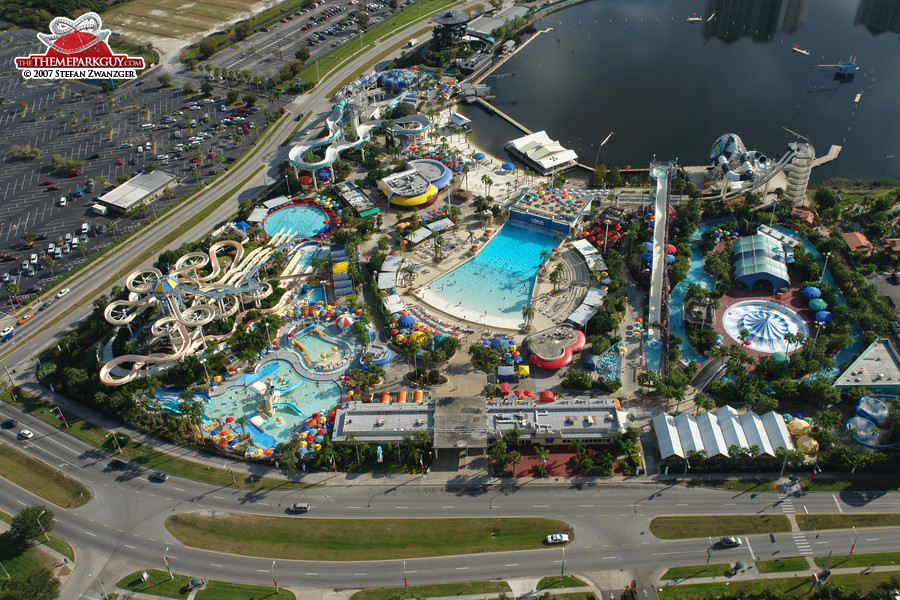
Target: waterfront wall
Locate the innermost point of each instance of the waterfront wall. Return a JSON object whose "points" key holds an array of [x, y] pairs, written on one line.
{"points": [[544, 222]]}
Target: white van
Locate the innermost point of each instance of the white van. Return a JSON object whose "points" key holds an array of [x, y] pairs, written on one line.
{"points": [[58, 252], [34, 259], [147, 126], [85, 228], [68, 238], [140, 150]]}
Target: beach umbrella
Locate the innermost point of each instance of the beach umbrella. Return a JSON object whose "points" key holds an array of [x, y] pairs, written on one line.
{"points": [[547, 396], [345, 320], [229, 420], [823, 316], [507, 355], [812, 292], [671, 249], [323, 174], [648, 246], [646, 257], [517, 359], [395, 331], [508, 166], [478, 156], [406, 321], [670, 259], [818, 304], [747, 342]]}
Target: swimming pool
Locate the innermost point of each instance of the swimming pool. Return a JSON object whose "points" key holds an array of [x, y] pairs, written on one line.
{"points": [[497, 284], [305, 221]]}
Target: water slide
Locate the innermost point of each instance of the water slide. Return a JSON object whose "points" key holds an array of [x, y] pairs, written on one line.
{"points": [[728, 152], [409, 125], [142, 284]]}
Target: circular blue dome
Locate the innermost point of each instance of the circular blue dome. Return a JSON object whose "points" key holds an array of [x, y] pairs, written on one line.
{"points": [[397, 79]]}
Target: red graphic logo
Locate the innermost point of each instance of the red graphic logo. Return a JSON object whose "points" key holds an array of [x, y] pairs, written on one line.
{"points": [[78, 50]]}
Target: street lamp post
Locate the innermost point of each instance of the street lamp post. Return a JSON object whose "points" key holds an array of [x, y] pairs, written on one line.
{"points": [[203, 362], [562, 571], [166, 561], [228, 468], [275, 581], [61, 415], [825, 266], [405, 583], [44, 531], [102, 589], [115, 441], [5, 572], [855, 538], [287, 184], [819, 326]]}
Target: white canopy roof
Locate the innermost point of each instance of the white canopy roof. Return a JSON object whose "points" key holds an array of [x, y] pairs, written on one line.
{"points": [[440, 225], [756, 433], [387, 280], [393, 303], [276, 202], [689, 432], [777, 430], [713, 440], [539, 148], [418, 235], [667, 436], [584, 247], [582, 314], [391, 263], [731, 427], [258, 215], [594, 296]]}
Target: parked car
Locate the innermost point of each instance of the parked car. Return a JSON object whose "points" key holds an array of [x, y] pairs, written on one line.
{"points": [[558, 538], [730, 542], [159, 476], [53, 188], [46, 182]]}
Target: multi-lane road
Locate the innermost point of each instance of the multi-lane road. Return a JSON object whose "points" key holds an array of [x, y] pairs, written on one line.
{"points": [[123, 526]]}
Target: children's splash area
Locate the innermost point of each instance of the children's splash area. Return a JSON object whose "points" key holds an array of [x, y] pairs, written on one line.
{"points": [[764, 323], [321, 351]]}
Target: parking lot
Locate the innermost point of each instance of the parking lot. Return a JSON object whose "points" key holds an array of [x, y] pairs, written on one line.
{"points": [[265, 52], [77, 121]]}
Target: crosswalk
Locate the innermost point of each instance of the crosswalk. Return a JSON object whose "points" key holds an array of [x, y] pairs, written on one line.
{"points": [[786, 502]]}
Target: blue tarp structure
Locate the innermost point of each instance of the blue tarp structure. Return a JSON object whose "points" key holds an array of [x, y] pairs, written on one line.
{"points": [[243, 225]]}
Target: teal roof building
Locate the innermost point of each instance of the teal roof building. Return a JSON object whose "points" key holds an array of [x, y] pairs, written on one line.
{"points": [[759, 258]]}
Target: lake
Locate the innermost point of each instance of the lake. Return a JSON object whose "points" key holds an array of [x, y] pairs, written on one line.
{"points": [[669, 87]]}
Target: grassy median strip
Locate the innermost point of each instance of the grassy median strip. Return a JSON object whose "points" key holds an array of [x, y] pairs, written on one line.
{"points": [[846, 520], [152, 459], [787, 587], [670, 528], [782, 565], [434, 591], [41, 479], [690, 572], [159, 584], [741, 485], [359, 539], [881, 559]]}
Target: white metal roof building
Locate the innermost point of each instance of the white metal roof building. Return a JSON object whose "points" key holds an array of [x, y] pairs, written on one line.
{"points": [[713, 439], [715, 433], [140, 189], [667, 436], [542, 153]]}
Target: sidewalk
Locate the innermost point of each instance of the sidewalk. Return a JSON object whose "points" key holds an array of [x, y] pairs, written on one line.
{"points": [[750, 574]]}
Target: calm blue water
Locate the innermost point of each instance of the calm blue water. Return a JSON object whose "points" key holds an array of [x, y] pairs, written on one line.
{"points": [[500, 279], [305, 221]]}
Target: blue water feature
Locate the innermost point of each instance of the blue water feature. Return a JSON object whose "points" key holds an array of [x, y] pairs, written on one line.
{"points": [[697, 275], [260, 437], [499, 281], [290, 407], [305, 221], [264, 371]]}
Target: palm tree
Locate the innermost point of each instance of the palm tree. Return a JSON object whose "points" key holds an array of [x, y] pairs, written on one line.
{"points": [[545, 255], [543, 454], [555, 276], [578, 447], [113, 227], [438, 247], [48, 263], [242, 421], [488, 182], [82, 247], [528, 315]]}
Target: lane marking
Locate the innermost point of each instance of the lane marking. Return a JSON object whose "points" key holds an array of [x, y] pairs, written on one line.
{"points": [[129, 546], [541, 506], [179, 489], [354, 507], [218, 497], [462, 568], [91, 534], [214, 565], [513, 565], [750, 548], [838, 504], [609, 558]]}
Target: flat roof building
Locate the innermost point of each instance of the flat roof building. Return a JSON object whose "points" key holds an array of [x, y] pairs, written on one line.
{"points": [[877, 368], [140, 189]]}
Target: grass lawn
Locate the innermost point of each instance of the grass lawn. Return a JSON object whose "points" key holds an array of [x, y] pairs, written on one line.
{"points": [[849, 486], [860, 560], [566, 581], [17, 564], [671, 528], [424, 591], [846, 520], [41, 479], [713, 570], [790, 587], [348, 539], [153, 460], [575, 596], [742, 485], [158, 584], [60, 545], [222, 590], [782, 565]]}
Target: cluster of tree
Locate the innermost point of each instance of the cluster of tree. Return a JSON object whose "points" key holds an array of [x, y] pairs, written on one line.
{"points": [[25, 151], [65, 165], [36, 582], [37, 14], [605, 321], [423, 376], [504, 452], [600, 175], [590, 462], [485, 358]]}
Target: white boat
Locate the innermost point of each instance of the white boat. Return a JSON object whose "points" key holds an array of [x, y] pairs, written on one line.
{"points": [[799, 50], [694, 18], [858, 96]]}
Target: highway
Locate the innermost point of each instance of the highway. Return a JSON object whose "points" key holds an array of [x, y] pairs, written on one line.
{"points": [[123, 525]]}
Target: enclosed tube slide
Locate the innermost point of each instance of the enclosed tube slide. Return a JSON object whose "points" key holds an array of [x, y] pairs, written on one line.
{"points": [[728, 153]]}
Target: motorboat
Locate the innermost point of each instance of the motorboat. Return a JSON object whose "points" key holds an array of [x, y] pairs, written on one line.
{"points": [[799, 50], [694, 18]]}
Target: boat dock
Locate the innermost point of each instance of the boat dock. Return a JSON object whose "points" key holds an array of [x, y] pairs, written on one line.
{"points": [[493, 109], [832, 155]]}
